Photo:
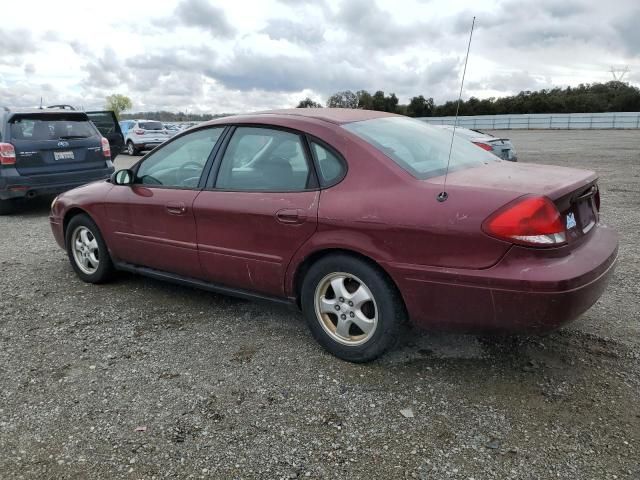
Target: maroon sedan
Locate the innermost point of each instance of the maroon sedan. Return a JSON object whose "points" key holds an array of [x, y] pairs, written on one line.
{"points": [[337, 212]]}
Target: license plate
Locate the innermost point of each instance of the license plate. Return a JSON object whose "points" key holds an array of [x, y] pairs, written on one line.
{"points": [[586, 214], [63, 155]]}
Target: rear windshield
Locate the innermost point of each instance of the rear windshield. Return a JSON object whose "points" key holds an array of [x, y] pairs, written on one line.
{"points": [[419, 148], [151, 125], [50, 127]]}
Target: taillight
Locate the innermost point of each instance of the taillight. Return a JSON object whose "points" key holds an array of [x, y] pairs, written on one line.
{"points": [[106, 148], [138, 131], [7, 154], [596, 199], [484, 146], [528, 221]]}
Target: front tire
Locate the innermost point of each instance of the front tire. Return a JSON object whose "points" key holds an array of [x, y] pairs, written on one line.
{"points": [[352, 308], [87, 250]]}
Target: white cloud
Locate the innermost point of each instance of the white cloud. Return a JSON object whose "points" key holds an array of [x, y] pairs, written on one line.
{"points": [[219, 56]]}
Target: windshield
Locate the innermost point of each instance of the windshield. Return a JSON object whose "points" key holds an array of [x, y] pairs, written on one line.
{"points": [[419, 148], [151, 126], [50, 127]]}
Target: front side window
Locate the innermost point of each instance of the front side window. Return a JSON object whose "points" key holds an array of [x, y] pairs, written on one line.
{"points": [[419, 148], [264, 159], [180, 163]]}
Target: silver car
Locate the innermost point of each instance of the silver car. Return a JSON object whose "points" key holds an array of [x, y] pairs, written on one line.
{"points": [[145, 135], [500, 147]]}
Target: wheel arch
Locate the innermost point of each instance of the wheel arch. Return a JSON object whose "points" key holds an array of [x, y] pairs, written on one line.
{"points": [[69, 214], [303, 267]]}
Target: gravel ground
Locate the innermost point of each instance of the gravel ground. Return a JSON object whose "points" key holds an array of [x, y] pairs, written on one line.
{"points": [[140, 379]]}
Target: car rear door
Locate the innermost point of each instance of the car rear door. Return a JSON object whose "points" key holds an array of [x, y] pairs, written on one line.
{"points": [[107, 124], [259, 209], [151, 223], [55, 142]]}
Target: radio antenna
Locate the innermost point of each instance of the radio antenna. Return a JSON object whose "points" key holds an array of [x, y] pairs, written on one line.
{"points": [[443, 195]]}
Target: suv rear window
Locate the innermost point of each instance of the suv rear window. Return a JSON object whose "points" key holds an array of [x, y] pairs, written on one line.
{"points": [[151, 125], [419, 148], [51, 127]]}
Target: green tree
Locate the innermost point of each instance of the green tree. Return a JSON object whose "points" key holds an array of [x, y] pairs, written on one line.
{"points": [[420, 107], [365, 100], [308, 103], [377, 102], [118, 103], [346, 99]]}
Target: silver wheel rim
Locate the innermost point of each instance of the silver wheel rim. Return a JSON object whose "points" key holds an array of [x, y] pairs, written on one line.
{"points": [[346, 309], [130, 148], [84, 247]]}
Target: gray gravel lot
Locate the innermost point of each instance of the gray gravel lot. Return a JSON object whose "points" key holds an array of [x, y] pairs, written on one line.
{"points": [[140, 379]]}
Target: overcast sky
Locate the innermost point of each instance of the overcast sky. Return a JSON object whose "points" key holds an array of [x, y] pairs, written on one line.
{"points": [[233, 56]]}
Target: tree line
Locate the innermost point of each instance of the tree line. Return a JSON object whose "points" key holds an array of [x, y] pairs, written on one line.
{"points": [[612, 96]]}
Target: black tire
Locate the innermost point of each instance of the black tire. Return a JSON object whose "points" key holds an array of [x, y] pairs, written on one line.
{"points": [[104, 270], [7, 207], [131, 148], [391, 312]]}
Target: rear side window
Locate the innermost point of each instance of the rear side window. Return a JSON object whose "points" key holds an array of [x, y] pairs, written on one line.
{"points": [[151, 125], [39, 127], [332, 169]]}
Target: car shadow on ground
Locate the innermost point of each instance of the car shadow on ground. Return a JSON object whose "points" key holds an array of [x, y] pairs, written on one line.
{"points": [[31, 208]]}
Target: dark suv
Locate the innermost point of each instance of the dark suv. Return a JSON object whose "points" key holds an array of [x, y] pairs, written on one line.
{"points": [[48, 151]]}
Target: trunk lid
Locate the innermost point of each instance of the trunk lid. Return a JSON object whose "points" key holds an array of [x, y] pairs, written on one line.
{"points": [[573, 191]]}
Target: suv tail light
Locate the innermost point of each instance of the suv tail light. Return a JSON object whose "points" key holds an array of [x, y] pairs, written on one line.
{"points": [[7, 154], [531, 220], [138, 131], [106, 148], [484, 146]]}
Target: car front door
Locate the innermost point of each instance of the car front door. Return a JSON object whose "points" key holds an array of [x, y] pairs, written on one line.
{"points": [[107, 123], [152, 222], [257, 211]]}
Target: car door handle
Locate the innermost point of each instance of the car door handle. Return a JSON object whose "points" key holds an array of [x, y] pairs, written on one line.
{"points": [[176, 208], [291, 215]]}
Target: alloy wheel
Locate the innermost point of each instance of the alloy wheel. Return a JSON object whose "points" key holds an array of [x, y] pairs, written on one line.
{"points": [[346, 308], [85, 250]]}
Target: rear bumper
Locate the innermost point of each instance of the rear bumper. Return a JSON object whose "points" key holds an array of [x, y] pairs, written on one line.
{"points": [[18, 186], [528, 290], [148, 145]]}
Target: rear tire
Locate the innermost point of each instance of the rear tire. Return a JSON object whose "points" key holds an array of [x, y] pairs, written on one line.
{"points": [[131, 148], [7, 207], [87, 250], [352, 308]]}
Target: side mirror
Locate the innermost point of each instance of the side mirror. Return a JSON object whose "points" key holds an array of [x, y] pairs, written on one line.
{"points": [[122, 177]]}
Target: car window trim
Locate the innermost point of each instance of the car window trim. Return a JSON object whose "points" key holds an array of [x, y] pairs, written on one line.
{"points": [[205, 170], [312, 182]]}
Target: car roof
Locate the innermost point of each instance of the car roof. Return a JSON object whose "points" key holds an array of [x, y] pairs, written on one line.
{"points": [[336, 116], [18, 110]]}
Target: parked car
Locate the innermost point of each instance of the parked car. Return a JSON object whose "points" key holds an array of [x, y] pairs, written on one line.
{"points": [[339, 212], [48, 151], [500, 147], [172, 129], [145, 135], [125, 126]]}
